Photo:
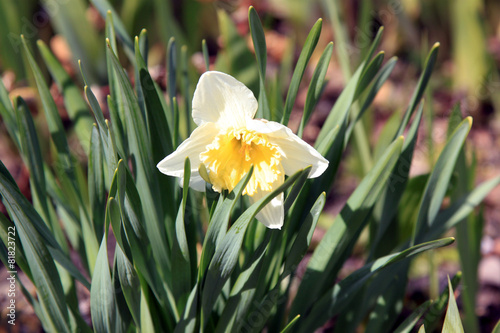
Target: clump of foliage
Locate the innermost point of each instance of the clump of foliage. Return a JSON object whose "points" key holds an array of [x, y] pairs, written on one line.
{"points": [[186, 261]]}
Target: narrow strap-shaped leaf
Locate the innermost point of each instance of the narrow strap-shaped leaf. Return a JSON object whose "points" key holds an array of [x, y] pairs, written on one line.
{"points": [[369, 72], [145, 176], [496, 329], [304, 236], [419, 91], [387, 207], [335, 299], [206, 58], [130, 285], [293, 257], [54, 122], [460, 209], [437, 183], [8, 114], [236, 57], [44, 272], [138, 87], [259, 43], [226, 254], [32, 155], [452, 322], [378, 81], [132, 218], [340, 237], [6, 230], [186, 91], [103, 306], [97, 195], [65, 168], [218, 223], [242, 292], [181, 280], [409, 323], [102, 298], [305, 55], [116, 108], [73, 101], [158, 127], [291, 324], [316, 86], [188, 321], [103, 6], [30, 214], [433, 318], [95, 108]]}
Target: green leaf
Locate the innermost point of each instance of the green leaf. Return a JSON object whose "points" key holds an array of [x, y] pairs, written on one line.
{"points": [[8, 114], [54, 122], [102, 296], [32, 155], [130, 285], [438, 181], [181, 281], [188, 321], [305, 55], [97, 196], [242, 292], [378, 82], [337, 297], [73, 101], [387, 207], [31, 221], [433, 317], [369, 72], [409, 323], [452, 321], [291, 324], [204, 49], [419, 91], [316, 86], [293, 257], [259, 43], [81, 35], [259, 40], [496, 329], [304, 236], [141, 244], [105, 9], [159, 131], [94, 104], [219, 222], [235, 57], [339, 239], [116, 108], [226, 254], [43, 270], [64, 167], [5, 226], [145, 175]]}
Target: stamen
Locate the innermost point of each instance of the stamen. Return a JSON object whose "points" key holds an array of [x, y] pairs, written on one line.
{"points": [[229, 157]]}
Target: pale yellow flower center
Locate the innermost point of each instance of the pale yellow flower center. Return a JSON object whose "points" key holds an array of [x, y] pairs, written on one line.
{"points": [[229, 157]]}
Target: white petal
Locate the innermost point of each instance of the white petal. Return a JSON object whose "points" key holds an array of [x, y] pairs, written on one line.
{"points": [[173, 164], [273, 214], [219, 97], [297, 154]]}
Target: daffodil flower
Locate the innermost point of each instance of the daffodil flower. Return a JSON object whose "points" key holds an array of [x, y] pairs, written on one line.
{"points": [[228, 141]]}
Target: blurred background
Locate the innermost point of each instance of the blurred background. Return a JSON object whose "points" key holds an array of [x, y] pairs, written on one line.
{"points": [[467, 72]]}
